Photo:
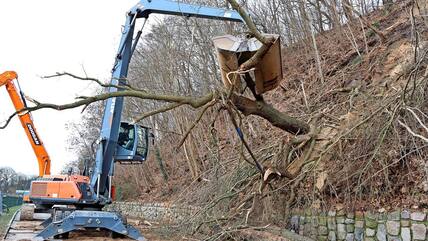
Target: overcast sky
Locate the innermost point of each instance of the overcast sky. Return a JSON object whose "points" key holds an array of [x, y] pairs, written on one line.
{"points": [[43, 37]]}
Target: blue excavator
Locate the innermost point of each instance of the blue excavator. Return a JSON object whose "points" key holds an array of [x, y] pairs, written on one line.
{"points": [[77, 201]]}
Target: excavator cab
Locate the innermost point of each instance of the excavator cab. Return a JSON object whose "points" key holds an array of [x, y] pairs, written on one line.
{"points": [[133, 143]]}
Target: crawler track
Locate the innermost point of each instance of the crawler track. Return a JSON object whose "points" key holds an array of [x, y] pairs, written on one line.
{"points": [[26, 230]]}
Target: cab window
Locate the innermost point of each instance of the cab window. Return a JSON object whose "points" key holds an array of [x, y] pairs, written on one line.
{"points": [[126, 136], [143, 141]]}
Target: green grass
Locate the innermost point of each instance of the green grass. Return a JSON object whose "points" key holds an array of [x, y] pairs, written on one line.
{"points": [[5, 218]]}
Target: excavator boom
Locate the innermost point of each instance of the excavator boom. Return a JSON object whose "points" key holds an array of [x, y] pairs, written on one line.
{"points": [[119, 141], [18, 101]]}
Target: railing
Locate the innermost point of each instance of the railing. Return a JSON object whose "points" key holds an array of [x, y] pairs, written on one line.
{"points": [[11, 200]]}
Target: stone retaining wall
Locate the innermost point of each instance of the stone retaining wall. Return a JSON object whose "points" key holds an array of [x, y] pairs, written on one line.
{"points": [[402, 225], [153, 212]]}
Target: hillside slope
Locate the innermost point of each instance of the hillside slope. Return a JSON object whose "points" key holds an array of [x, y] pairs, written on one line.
{"points": [[361, 102], [369, 110]]}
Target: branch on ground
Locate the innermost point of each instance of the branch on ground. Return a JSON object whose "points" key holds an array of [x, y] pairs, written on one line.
{"points": [[368, 25]]}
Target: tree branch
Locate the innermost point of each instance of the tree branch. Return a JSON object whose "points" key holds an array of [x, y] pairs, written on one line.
{"points": [[6, 123], [58, 74], [195, 102], [275, 117], [201, 113], [158, 111], [369, 25], [248, 21], [267, 41]]}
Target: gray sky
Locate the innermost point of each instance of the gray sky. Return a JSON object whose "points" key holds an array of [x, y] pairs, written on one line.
{"points": [[43, 37]]}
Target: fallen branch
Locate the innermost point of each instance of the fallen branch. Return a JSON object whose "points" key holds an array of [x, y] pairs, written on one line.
{"points": [[247, 19], [369, 25], [201, 114], [195, 102], [412, 132], [267, 41], [241, 137], [157, 111], [268, 112], [58, 74]]}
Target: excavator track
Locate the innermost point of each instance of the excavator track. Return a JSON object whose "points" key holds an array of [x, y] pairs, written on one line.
{"points": [[19, 229]]}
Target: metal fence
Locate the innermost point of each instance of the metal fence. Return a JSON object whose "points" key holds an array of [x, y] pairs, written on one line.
{"points": [[10, 200], [1, 203]]}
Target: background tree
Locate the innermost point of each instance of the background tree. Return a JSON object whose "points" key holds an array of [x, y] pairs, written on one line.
{"points": [[10, 181]]}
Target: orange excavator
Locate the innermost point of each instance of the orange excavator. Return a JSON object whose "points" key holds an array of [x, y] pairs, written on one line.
{"points": [[64, 185], [77, 201], [19, 102]]}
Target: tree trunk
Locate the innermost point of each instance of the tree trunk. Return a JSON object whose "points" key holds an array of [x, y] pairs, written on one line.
{"points": [[161, 163], [268, 112]]}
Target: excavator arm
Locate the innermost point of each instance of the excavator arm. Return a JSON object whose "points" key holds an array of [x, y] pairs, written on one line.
{"points": [[104, 162], [98, 192], [18, 101]]}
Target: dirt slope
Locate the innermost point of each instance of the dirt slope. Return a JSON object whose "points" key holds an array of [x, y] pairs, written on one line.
{"points": [[365, 158]]}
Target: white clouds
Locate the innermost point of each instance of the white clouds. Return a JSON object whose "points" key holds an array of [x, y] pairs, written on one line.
{"points": [[43, 37]]}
